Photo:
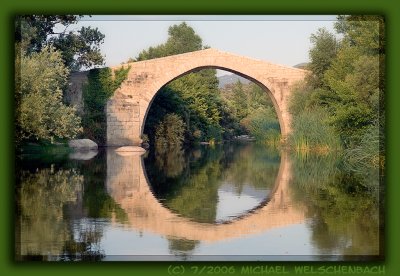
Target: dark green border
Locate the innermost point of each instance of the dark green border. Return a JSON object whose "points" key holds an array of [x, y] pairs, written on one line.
{"points": [[10, 8]]}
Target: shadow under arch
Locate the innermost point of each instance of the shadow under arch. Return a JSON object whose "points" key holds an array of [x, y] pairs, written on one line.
{"points": [[128, 185], [264, 85]]}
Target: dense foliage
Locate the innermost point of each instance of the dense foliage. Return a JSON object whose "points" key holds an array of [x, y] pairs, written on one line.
{"points": [[250, 111], [339, 110], [40, 112], [46, 52], [346, 87], [100, 87], [78, 48], [170, 131]]}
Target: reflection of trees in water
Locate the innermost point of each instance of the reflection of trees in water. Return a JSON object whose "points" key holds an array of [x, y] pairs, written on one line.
{"points": [[51, 199], [170, 159], [97, 201], [255, 165], [42, 196], [181, 247], [194, 192], [86, 246], [344, 211]]}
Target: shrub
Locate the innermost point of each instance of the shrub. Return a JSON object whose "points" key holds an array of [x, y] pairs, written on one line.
{"points": [[170, 130]]}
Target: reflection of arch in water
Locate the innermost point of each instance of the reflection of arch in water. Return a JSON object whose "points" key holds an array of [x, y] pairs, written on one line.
{"points": [[243, 147], [127, 184]]}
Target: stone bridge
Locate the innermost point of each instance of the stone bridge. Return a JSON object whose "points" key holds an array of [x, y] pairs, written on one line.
{"points": [[128, 185], [128, 108]]}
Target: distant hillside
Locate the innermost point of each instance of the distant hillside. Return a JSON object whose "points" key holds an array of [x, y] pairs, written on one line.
{"points": [[231, 79], [302, 65]]}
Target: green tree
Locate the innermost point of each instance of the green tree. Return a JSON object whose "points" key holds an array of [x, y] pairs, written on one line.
{"points": [[252, 111], [40, 113], [199, 91], [240, 101], [166, 102], [170, 131], [258, 97], [194, 97], [321, 54], [354, 78], [263, 125], [78, 48], [347, 80], [181, 39]]}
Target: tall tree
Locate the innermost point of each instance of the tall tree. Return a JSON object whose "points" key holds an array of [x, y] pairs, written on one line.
{"points": [[197, 92], [321, 54], [40, 113], [355, 78], [79, 49], [350, 85], [240, 100], [181, 39]]}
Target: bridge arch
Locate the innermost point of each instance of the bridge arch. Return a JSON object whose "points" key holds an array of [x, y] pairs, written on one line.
{"points": [[264, 85], [128, 108]]}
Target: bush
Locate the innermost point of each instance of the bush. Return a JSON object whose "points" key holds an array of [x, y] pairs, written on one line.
{"points": [[170, 131]]}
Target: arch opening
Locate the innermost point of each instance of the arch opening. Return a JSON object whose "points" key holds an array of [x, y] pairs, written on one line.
{"points": [[163, 172], [265, 85]]}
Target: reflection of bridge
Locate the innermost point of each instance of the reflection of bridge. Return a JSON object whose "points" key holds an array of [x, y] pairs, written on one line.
{"points": [[127, 184]]}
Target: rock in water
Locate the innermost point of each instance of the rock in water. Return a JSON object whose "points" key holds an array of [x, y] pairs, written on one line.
{"points": [[82, 144], [83, 155]]}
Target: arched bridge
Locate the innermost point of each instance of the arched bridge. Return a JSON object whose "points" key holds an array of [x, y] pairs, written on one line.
{"points": [[127, 109]]}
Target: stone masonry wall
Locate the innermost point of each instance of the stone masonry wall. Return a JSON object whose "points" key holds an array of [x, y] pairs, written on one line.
{"points": [[123, 126], [73, 94]]}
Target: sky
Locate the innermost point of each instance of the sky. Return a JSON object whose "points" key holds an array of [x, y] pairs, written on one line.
{"points": [[282, 40]]}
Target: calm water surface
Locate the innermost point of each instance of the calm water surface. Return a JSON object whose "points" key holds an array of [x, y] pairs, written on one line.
{"points": [[228, 202]]}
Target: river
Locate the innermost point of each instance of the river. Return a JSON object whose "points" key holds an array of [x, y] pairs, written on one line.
{"points": [[236, 201]]}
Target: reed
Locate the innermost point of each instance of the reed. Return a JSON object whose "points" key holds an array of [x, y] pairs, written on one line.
{"points": [[313, 134]]}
